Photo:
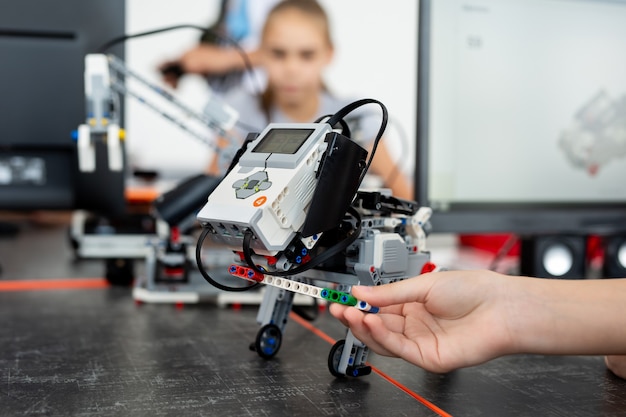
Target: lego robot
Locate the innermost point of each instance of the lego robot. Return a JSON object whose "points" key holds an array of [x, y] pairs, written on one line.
{"points": [[121, 240], [291, 211]]}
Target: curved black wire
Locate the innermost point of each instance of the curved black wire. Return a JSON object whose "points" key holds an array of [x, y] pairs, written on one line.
{"points": [[205, 274], [107, 45], [383, 124], [345, 129]]}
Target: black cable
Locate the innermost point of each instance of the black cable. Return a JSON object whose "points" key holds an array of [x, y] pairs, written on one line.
{"points": [[398, 164], [318, 260], [203, 272], [107, 45], [319, 119], [345, 129], [383, 124]]}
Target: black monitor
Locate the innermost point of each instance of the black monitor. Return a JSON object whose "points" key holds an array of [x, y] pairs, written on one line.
{"points": [[522, 115], [42, 100]]}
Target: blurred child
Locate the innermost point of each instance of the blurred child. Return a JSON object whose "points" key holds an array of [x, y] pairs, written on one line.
{"points": [[296, 47]]}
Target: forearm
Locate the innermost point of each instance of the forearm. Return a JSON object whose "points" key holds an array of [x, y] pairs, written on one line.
{"points": [[391, 174], [210, 59], [214, 165], [551, 316], [238, 60]]}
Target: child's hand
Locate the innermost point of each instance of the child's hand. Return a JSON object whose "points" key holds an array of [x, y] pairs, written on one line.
{"points": [[438, 321]]}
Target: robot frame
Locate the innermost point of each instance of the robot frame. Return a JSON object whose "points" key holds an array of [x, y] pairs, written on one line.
{"points": [[291, 211], [107, 80]]}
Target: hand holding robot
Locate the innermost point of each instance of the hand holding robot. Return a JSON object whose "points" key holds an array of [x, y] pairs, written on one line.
{"points": [[291, 210]]}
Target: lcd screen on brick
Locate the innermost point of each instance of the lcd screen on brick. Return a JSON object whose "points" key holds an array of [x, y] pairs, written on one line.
{"points": [[284, 141]]}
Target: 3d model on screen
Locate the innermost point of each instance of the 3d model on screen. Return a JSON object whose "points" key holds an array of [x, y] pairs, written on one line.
{"points": [[598, 133], [291, 210]]}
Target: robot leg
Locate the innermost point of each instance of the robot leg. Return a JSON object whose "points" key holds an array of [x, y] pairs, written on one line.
{"points": [[348, 357], [273, 315]]}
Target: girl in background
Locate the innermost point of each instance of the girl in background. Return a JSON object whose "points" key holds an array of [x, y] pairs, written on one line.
{"points": [[296, 47]]}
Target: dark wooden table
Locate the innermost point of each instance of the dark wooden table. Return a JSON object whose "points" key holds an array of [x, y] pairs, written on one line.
{"points": [[92, 351]]}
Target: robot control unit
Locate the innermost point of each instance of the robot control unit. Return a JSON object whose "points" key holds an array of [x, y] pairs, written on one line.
{"points": [[292, 211]]}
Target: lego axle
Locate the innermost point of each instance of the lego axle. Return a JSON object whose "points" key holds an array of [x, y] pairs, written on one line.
{"points": [[327, 294]]}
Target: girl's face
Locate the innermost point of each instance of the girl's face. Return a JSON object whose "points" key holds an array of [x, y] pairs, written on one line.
{"points": [[295, 51]]}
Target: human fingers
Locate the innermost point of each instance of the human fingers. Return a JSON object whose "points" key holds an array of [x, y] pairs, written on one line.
{"points": [[376, 332], [616, 364], [355, 321], [353, 318], [409, 290], [338, 310], [171, 72], [171, 81], [385, 335], [392, 315], [421, 347]]}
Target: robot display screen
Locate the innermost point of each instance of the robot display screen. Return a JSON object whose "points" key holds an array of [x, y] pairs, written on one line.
{"points": [[284, 141], [523, 102]]}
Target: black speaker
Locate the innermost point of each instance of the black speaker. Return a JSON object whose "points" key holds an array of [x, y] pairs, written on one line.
{"points": [[614, 257], [554, 256]]}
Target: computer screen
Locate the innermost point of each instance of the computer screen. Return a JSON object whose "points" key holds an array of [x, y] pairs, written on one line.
{"points": [[42, 100], [522, 115]]}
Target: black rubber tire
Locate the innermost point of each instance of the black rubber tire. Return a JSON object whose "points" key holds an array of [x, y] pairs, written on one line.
{"points": [[334, 357], [268, 341]]}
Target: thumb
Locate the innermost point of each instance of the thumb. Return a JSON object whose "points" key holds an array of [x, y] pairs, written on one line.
{"points": [[409, 290]]}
